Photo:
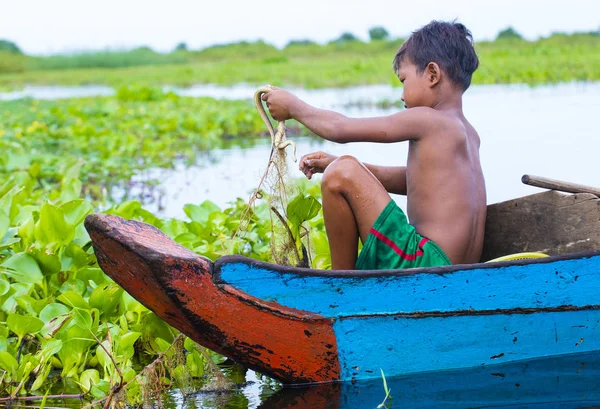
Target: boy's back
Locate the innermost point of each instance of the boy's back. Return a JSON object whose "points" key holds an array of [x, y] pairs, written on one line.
{"points": [[446, 199]]}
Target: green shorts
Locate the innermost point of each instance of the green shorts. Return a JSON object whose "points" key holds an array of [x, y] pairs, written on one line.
{"points": [[394, 244]]}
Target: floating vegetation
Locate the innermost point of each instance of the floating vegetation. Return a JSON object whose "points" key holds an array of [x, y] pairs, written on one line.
{"points": [[65, 326], [113, 138]]}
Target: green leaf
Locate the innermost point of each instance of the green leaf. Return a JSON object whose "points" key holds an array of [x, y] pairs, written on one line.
{"points": [[30, 304], [82, 318], [26, 230], [106, 297], [53, 310], [9, 242], [8, 363], [52, 229], [200, 213], [162, 345], [41, 379], [195, 363], [189, 345], [75, 285], [127, 340], [48, 262], [76, 210], [70, 190], [302, 208], [88, 378], [128, 209], [23, 324], [73, 257], [50, 348], [103, 357], [72, 299], [4, 224], [100, 389], [23, 268], [4, 287], [173, 227]]}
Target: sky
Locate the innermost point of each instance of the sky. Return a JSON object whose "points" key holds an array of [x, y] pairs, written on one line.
{"points": [[59, 26]]}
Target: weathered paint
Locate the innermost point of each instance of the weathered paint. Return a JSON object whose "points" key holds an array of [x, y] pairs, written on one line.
{"points": [[460, 317], [401, 345], [574, 283], [176, 284], [301, 325]]}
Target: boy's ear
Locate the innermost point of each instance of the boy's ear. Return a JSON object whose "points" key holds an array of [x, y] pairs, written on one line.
{"points": [[434, 73]]}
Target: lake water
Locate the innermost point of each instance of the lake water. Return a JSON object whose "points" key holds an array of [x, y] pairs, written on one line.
{"points": [[566, 382], [550, 131]]}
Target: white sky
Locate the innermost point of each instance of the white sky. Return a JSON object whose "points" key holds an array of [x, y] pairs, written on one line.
{"points": [[53, 26]]}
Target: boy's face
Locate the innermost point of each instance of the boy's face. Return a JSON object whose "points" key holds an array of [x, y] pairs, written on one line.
{"points": [[416, 91]]}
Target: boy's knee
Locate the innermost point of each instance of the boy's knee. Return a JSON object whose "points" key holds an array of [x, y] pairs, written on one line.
{"points": [[339, 172]]}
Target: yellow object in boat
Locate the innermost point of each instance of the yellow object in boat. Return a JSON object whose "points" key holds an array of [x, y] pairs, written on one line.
{"points": [[518, 256]]}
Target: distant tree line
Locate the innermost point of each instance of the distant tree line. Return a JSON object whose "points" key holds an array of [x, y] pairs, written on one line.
{"points": [[377, 33], [10, 47]]}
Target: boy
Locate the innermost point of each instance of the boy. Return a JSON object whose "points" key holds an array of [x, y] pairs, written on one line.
{"points": [[443, 180]]}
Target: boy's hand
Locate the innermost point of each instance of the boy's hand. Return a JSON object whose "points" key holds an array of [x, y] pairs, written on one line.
{"points": [[315, 162], [279, 103]]}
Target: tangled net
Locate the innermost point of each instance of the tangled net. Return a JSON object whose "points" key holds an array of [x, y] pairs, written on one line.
{"points": [[274, 189]]}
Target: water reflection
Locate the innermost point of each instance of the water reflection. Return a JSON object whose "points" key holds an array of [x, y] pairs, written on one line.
{"points": [[571, 381]]}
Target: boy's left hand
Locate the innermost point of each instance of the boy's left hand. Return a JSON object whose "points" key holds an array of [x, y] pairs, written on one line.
{"points": [[279, 103]]}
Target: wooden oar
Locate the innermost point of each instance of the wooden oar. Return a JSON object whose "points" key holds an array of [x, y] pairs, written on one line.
{"points": [[547, 183]]}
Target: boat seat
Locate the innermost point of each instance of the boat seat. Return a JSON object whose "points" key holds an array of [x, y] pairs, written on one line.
{"points": [[518, 256]]}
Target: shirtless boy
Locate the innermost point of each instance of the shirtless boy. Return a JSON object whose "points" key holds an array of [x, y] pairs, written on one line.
{"points": [[442, 179]]}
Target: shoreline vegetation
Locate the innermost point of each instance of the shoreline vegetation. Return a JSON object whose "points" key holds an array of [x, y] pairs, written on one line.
{"points": [[343, 62]]}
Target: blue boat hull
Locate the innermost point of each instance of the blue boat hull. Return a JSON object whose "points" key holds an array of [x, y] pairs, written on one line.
{"points": [[440, 319], [309, 326]]}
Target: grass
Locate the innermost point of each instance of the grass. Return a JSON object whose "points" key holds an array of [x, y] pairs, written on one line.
{"points": [[558, 58]]}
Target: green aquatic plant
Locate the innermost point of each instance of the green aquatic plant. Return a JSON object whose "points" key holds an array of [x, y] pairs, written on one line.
{"points": [[62, 315], [66, 329], [388, 393], [111, 139]]}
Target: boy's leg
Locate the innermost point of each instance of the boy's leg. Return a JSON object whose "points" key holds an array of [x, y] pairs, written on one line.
{"points": [[353, 198]]}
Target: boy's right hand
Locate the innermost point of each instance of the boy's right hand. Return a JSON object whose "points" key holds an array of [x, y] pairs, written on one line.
{"points": [[315, 162]]}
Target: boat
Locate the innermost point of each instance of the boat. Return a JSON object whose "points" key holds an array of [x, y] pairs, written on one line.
{"points": [[301, 325], [565, 382]]}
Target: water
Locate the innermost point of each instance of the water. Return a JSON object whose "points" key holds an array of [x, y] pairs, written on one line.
{"points": [[568, 382], [57, 92], [547, 131]]}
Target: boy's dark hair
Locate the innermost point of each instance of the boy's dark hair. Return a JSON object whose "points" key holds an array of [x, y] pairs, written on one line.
{"points": [[449, 44]]}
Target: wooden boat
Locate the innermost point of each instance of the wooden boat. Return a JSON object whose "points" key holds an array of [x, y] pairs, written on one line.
{"points": [[305, 326]]}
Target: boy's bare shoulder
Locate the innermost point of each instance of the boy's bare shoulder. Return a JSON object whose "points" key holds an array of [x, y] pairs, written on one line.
{"points": [[436, 122]]}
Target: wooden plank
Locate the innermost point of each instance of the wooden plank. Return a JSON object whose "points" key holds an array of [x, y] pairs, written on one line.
{"points": [[559, 185], [550, 222]]}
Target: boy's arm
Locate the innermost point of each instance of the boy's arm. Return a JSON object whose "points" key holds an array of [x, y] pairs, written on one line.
{"points": [[410, 124], [393, 178]]}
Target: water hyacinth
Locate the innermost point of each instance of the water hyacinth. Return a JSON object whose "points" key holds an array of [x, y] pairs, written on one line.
{"points": [[68, 327]]}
